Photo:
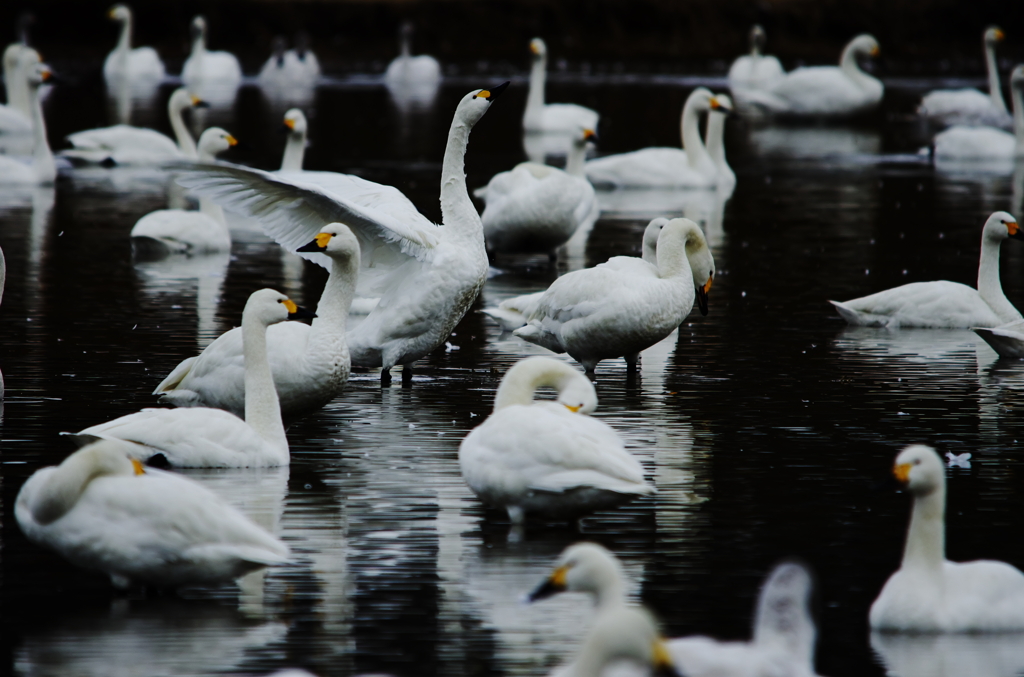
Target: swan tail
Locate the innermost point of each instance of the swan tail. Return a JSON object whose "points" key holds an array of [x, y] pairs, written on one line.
{"points": [[1006, 343], [510, 320], [177, 375], [856, 317]]}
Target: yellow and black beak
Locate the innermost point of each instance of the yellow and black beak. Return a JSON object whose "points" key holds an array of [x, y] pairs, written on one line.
{"points": [[46, 74], [717, 105], [573, 407], [199, 103], [876, 50], [232, 141], [318, 244], [534, 49], [902, 472], [110, 13], [297, 312], [661, 661], [1014, 231], [492, 93], [999, 35], [590, 135], [552, 585], [702, 295], [139, 468], [289, 124]]}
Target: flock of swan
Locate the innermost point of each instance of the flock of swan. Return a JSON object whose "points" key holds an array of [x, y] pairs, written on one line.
{"points": [[111, 507]]}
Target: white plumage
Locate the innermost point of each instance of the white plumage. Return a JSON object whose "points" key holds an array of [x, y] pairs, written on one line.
{"points": [[986, 144], [213, 75], [406, 70], [755, 71], [560, 118], [140, 66], [626, 638], [42, 170], [969, 106]]}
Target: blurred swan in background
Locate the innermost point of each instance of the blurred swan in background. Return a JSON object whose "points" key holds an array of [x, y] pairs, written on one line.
{"points": [[141, 67], [290, 75], [969, 106], [42, 170], [963, 142], [16, 115], [212, 75], [406, 70], [563, 118], [755, 71]]}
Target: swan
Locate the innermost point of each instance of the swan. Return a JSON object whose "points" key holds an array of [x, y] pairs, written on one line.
{"points": [[548, 458], [310, 364], [295, 146], [562, 118], [207, 72], [969, 106], [426, 276], [101, 510], [182, 231], [16, 116], [141, 65], [928, 593], [943, 304], [203, 437], [755, 71], [405, 69], [537, 208], [714, 139], [3, 279], [618, 635], [823, 91], [666, 167], [43, 169], [127, 145], [962, 142], [289, 69], [606, 312]]}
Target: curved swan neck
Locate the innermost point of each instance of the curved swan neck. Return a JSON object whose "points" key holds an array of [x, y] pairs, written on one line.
{"points": [[404, 45], [848, 64], [262, 407], [68, 481], [522, 380], [1017, 95], [995, 92], [42, 156], [538, 78], [575, 163], [335, 301], [696, 154], [124, 43], [457, 211], [926, 545], [186, 143], [989, 286], [714, 139], [294, 152]]}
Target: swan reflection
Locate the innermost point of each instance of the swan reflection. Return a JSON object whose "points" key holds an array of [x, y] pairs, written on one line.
{"points": [[986, 655], [814, 142]]}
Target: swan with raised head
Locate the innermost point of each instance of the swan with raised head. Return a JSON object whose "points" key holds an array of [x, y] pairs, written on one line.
{"points": [[203, 437], [297, 128], [969, 106], [536, 208], [690, 166], [409, 70], [141, 65], [928, 593], [963, 142], [42, 170], [548, 459], [16, 115], [714, 140], [213, 75], [101, 510], [426, 276], [626, 637], [561, 118], [755, 71], [607, 311], [822, 91], [310, 364], [128, 145], [942, 304]]}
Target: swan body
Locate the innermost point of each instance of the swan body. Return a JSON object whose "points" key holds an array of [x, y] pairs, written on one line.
{"points": [[181, 231], [962, 142], [563, 118], [16, 115], [310, 364], [42, 170], [141, 65], [211, 438], [548, 458], [535, 207], [690, 166], [289, 69], [619, 636], [755, 71], [425, 276], [205, 70], [949, 107], [943, 304], [1007, 339], [102, 511], [408, 70], [606, 312], [929, 593]]}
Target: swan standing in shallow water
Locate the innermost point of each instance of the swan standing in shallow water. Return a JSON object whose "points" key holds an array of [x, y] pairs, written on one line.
{"points": [[42, 170], [607, 311], [211, 438], [969, 106], [755, 71], [929, 593], [987, 143], [310, 364], [140, 66], [103, 511], [548, 458], [560, 118], [943, 304], [667, 167]]}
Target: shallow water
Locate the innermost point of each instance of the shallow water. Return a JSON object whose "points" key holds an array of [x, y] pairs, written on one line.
{"points": [[765, 425]]}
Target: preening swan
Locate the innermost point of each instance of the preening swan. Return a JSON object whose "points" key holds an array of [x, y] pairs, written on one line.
{"points": [[42, 170], [548, 459], [140, 66], [407, 70], [182, 231], [755, 71], [618, 635], [101, 510], [562, 118], [987, 143], [212, 75], [201, 437], [425, 276], [607, 311], [536, 208], [668, 167], [942, 304], [310, 364], [928, 593], [969, 106]]}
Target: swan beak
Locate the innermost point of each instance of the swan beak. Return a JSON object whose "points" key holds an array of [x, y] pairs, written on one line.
{"points": [[493, 93], [661, 660], [232, 141], [573, 408], [534, 49], [1014, 231], [999, 35], [199, 103], [719, 106], [46, 74], [290, 124], [137, 465], [902, 472], [590, 135], [554, 584], [318, 244], [297, 312], [702, 296], [876, 50], [110, 13]]}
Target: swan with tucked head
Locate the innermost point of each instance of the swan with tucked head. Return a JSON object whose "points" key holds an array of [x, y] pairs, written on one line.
{"points": [[42, 170], [755, 71], [141, 65], [541, 117], [969, 106], [993, 147]]}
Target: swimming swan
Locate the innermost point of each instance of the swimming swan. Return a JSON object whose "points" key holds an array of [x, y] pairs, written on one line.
{"points": [[969, 106], [310, 364], [943, 304], [42, 170], [212, 75], [425, 276], [622, 634], [548, 458], [101, 510], [408, 70], [139, 65], [755, 71], [606, 312], [16, 115], [562, 118], [964, 142], [928, 593], [212, 438], [289, 71], [666, 167]]}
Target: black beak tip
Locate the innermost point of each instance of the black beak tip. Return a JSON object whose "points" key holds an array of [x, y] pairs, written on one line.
{"points": [[302, 314], [201, 104], [284, 129], [496, 91], [310, 247]]}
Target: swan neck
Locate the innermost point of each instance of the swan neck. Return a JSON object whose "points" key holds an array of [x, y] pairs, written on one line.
{"points": [[186, 144], [995, 92], [714, 139], [522, 381], [214, 211], [696, 154], [989, 287], [925, 548], [404, 46], [42, 156], [262, 408], [610, 592], [124, 43], [1017, 94], [336, 299], [575, 163], [457, 211], [538, 78], [64, 486], [294, 152], [848, 64]]}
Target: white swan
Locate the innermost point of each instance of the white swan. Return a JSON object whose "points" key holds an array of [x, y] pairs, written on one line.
{"points": [[969, 106], [563, 118], [3, 280], [141, 65], [310, 364], [665, 167], [295, 146], [943, 304], [103, 511], [289, 70], [127, 145], [606, 312], [408, 70], [426, 276], [212, 75], [963, 142], [755, 71], [43, 169], [714, 140], [16, 115], [183, 231], [548, 458], [928, 593], [619, 635], [537, 208], [202, 437], [822, 91]]}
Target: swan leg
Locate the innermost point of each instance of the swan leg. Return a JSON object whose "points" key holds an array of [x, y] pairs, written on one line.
{"points": [[385, 376], [632, 360], [407, 374]]}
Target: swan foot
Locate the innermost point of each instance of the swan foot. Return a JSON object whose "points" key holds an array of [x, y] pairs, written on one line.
{"points": [[632, 361], [406, 375], [385, 376]]}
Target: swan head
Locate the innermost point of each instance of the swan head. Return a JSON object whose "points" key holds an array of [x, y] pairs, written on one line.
{"points": [[697, 252], [475, 104], [119, 13], [625, 633], [538, 48], [575, 391], [198, 28], [295, 122], [182, 99], [215, 140], [336, 240], [783, 617], [583, 567], [269, 306], [721, 103], [993, 35], [1002, 225], [699, 100], [583, 136], [39, 74], [920, 470], [757, 39], [864, 45]]}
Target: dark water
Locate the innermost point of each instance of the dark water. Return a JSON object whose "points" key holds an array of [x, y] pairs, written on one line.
{"points": [[765, 425]]}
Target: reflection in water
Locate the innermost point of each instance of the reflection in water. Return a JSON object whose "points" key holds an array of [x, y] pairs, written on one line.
{"points": [[173, 282], [126, 96], [813, 142], [706, 207], [956, 655]]}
